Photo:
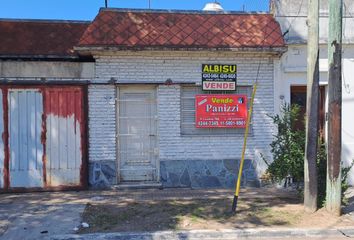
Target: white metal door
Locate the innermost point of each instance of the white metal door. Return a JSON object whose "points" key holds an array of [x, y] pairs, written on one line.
{"points": [[25, 127], [64, 116], [137, 134]]}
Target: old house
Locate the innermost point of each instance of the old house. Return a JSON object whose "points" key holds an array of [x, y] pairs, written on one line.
{"points": [[113, 101]]}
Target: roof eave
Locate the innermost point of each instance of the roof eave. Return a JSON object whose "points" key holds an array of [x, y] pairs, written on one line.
{"points": [[278, 50], [41, 56]]}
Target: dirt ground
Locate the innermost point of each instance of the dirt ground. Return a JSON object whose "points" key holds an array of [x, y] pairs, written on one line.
{"points": [[267, 209], [43, 214]]}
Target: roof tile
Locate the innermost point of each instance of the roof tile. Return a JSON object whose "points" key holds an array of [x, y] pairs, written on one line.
{"points": [[182, 30], [41, 38], [138, 29]]}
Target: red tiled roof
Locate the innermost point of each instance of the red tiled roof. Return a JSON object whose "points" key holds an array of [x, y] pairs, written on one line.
{"points": [[127, 29], [29, 38]]}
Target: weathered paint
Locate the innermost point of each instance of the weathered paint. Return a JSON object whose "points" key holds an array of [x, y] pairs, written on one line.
{"points": [[84, 139], [26, 150], [5, 137], [46, 147], [334, 146], [2, 155], [64, 112], [43, 141]]}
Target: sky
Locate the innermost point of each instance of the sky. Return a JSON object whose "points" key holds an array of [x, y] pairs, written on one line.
{"points": [[88, 9]]}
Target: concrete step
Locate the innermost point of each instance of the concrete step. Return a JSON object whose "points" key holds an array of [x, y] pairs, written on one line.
{"points": [[138, 185]]}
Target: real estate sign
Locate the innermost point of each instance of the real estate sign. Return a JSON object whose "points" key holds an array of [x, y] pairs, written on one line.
{"points": [[220, 111], [219, 77]]}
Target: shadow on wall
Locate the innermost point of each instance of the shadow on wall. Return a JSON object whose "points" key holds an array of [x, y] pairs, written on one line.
{"points": [[102, 174], [261, 113], [206, 173], [346, 161]]}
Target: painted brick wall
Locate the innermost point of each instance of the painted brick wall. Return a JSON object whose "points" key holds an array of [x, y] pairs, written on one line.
{"points": [[102, 135], [174, 146], [181, 67], [102, 122]]}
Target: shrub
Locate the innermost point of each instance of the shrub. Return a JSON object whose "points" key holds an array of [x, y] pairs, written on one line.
{"points": [[322, 174], [288, 146], [345, 185], [288, 150]]}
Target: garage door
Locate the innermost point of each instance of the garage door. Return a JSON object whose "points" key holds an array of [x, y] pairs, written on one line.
{"points": [[43, 129], [25, 127]]}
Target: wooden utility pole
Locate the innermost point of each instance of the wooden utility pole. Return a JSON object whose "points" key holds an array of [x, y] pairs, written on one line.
{"points": [[310, 171], [334, 149]]}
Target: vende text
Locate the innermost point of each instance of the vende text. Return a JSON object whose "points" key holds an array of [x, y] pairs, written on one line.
{"points": [[219, 85]]}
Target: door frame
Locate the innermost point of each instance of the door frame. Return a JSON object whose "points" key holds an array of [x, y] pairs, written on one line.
{"points": [[117, 97], [321, 106]]}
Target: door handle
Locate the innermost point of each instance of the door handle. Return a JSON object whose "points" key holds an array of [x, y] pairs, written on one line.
{"points": [[152, 135]]}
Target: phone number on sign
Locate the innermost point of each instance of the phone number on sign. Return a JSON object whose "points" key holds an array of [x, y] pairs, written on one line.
{"points": [[222, 123]]}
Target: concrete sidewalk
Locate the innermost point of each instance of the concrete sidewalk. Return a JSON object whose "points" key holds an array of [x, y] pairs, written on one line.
{"points": [[226, 234], [53, 215]]}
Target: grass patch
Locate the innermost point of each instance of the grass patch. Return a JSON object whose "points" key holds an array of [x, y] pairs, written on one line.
{"points": [[186, 214]]}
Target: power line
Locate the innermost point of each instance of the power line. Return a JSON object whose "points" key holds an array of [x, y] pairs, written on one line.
{"points": [[291, 23]]}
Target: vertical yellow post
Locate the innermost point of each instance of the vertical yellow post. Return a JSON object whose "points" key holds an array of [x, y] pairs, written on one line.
{"points": [[238, 184]]}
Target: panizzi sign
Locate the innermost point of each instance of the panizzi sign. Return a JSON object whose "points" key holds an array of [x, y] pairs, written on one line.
{"points": [[220, 111], [219, 77]]}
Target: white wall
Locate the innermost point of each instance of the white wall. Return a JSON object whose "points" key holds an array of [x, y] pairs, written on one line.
{"points": [[292, 70], [102, 122], [181, 67], [33, 69], [292, 16], [348, 113]]}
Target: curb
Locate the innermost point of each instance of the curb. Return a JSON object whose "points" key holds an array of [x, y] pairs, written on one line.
{"points": [[212, 234]]}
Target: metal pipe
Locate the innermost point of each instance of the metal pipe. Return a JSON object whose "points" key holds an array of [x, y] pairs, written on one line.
{"points": [[238, 183]]}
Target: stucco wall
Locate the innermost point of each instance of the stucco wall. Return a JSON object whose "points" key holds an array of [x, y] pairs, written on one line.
{"points": [[33, 69], [292, 17], [292, 71], [181, 67]]}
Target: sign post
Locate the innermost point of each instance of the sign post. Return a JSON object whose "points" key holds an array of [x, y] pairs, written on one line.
{"points": [[238, 184]]}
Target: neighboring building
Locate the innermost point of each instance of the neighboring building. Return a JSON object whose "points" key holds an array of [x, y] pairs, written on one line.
{"points": [[290, 71], [42, 105], [135, 74]]}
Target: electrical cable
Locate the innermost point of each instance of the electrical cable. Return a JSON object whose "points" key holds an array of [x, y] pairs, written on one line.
{"points": [[291, 23], [346, 11]]}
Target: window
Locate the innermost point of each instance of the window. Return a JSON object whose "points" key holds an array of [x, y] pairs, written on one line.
{"points": [[188, 111]]}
